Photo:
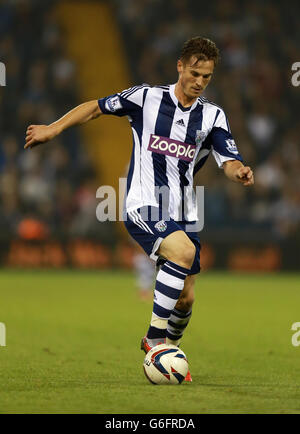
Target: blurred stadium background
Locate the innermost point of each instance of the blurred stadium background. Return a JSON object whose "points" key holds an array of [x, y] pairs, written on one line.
{"points": [[61, 53]]}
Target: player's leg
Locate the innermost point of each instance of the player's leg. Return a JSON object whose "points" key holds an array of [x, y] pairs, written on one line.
{"points": [[182, 312], [187, 296], [181, 315], [179, 253], [168, 240]]}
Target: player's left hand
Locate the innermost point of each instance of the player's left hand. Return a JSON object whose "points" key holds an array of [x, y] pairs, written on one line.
{"points": [[245, 175]]}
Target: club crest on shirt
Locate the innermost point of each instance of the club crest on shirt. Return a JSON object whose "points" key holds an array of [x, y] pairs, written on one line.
{"points": [[161, 226], [200, 136]]}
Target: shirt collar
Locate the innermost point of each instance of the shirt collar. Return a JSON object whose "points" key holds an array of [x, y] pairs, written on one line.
{"points": [[177, 103]]}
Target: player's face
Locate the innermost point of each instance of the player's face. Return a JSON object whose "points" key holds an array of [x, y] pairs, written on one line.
{"points": [[194, 76]]}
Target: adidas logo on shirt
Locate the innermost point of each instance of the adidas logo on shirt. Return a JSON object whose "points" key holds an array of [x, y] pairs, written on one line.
{"points": [[180, 122]]}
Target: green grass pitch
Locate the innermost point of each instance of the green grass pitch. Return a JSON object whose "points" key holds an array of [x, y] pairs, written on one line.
{"points": [[72, 345]]}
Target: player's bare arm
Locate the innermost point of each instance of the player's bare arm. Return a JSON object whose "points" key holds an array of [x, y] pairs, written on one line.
{"points": [[38, 134], [237, 172]]}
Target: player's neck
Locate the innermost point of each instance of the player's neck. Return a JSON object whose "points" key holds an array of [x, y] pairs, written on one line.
{"points": [[184, 100]]}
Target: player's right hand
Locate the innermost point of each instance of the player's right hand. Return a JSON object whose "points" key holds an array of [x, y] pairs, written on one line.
{"points": [[38, 134]]}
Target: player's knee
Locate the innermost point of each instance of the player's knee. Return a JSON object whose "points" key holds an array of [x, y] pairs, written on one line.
{"points": [[178, 248], [185, 255]]}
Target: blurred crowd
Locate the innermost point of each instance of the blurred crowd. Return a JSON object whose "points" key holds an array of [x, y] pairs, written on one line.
{"points": [[50, 190], [258, 41]]}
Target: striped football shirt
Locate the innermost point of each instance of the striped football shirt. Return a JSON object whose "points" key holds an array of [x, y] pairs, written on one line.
{"points": [[170, 144]]}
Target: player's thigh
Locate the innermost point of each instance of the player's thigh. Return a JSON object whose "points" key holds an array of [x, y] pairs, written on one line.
{"points": [[178, 248]]}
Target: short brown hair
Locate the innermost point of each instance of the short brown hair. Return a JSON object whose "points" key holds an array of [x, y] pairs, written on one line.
{"points": [[202, 48]]}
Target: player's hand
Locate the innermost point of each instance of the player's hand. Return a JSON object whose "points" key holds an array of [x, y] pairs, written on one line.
{"points": [[38, 134], [245, 175]]}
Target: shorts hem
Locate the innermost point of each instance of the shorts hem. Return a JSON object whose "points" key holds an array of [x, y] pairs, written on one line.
{"points": [[156, 245]]}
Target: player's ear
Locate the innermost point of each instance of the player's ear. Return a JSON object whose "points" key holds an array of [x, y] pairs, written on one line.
{"points": [[179, 66]]}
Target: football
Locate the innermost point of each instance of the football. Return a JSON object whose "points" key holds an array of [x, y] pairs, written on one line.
{"points": [[165, 364]]}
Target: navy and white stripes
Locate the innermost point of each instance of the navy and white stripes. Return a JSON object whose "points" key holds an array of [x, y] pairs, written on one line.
{"points": [[177, 323], [156, 111], [169, 284]]}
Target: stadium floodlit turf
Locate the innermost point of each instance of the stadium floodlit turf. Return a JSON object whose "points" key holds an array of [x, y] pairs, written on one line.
{"points": [[73, 345]]}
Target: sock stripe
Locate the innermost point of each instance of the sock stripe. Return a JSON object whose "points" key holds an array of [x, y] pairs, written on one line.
{"points": [[173, 337], [167, 279], [181, 314], [165, 301], [157, 333], [177, 267], [174, 269], [177, 326], [168, 291], [171, 271], [160, 311]]}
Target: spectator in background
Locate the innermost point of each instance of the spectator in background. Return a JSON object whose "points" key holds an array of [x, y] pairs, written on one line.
{"points": [[258, 40], [40, 197]]}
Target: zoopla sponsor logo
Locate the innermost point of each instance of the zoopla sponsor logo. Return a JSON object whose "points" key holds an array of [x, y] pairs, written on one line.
{"points": [[171, 147], [2, 335], [296, 76], [2, 74], [111, 209]]}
